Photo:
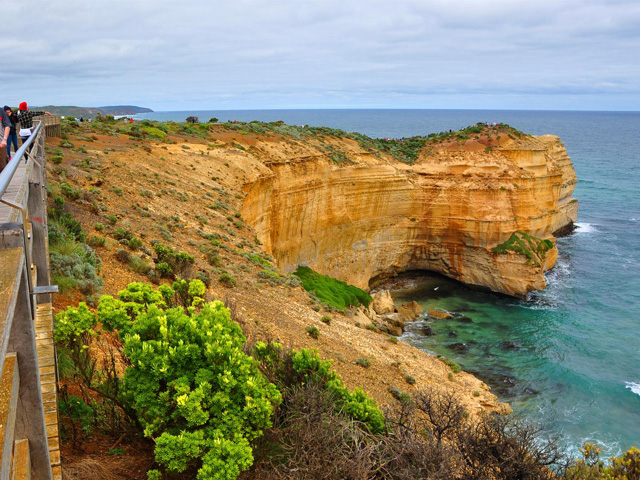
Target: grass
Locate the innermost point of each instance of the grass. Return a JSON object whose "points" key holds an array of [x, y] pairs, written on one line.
{"points": [[331, 291]]}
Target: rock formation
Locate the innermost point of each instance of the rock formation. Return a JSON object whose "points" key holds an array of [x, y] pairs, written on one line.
{"points": [[374, 216]]}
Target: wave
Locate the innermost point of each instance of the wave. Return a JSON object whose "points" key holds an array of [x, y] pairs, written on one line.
{"points": [[634, 387], [585, 228]]}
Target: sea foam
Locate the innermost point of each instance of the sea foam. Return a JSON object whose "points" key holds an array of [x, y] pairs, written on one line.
{"points": [[585, 227], [634, 387]]}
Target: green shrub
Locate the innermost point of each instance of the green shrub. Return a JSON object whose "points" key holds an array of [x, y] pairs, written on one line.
{"points": [[69, 191], [99, 226], [363, 362], [535, 249], [95, 241], [227, 280], [135, 243], [399, 395], [56, 159], [139, 265], [204, 278], [304, 366], [123, 255], [212, 254], [189, 384], [409, 379], [154, 132], [326, 319], [164, 270], [591, 467], [455, 368], [77, 269], [331, 291], [179, 262], [122, 234], [313, 331]]}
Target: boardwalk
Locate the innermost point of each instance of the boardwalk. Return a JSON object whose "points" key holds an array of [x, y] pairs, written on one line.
{"points": [[28, 380], [15, 192]]}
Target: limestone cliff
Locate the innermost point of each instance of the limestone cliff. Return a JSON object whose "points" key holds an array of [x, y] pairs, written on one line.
{"points": [[374, 216]]}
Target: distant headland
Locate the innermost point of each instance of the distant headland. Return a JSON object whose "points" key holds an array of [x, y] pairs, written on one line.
{"points": [[92, 112]]}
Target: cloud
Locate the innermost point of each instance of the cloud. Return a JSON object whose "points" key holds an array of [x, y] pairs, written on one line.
{"points": [[354, 53]]}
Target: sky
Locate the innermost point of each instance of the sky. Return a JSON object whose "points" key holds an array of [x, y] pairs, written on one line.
{"points": [[278, 54]]}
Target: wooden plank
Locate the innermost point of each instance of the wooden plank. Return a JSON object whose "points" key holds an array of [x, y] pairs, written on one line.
{"points": [[21, 460], [47, 367], [47, 370], [9, 392], [51, 418], [52, 430], [54, 443], [57, 473], [55, 457]]}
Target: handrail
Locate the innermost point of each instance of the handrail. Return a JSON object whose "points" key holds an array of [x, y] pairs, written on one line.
{"points": [[7, 174]]}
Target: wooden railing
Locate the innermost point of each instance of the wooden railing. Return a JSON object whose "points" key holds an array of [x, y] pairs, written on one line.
{"points": [[28, 412], [51, 124]]}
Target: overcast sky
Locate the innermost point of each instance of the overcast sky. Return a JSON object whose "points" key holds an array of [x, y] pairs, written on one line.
{"points": [[254, 54]]}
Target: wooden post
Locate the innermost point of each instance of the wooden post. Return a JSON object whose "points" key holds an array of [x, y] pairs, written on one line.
{"points": [[37, 209]]}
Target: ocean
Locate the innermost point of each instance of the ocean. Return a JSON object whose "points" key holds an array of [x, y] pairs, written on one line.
{"points": [[568, 358]]}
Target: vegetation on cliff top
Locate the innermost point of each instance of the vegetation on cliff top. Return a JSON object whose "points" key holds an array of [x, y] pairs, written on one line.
{"points": [[331, 291], [534, 248]]}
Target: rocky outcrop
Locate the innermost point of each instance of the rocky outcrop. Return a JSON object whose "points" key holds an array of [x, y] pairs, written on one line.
{"points": [[373, 217]]}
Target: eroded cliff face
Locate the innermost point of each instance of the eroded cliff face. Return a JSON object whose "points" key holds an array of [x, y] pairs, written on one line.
{"points": [[375, 216]]}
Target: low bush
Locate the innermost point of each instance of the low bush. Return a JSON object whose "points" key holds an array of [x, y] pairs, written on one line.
{"points": [[74, 264], [288, 369], [363, 362], [455, 368], [189, 385], [95, 241], [178, 263], [227, 280], [313, 331]]}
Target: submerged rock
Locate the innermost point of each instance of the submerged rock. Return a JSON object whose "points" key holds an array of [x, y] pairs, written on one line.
{"points": [[506, 345], [459, 347], [439, 314], [426, 330]]}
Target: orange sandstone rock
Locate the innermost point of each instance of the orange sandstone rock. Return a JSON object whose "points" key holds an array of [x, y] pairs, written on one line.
{"points": [[375, 216]]}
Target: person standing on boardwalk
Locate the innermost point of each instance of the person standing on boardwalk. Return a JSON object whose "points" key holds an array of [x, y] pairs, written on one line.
{"points": [[13, 135], [25, 117], [5, 128]]}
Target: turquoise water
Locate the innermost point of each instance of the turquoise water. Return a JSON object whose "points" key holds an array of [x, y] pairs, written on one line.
{"points": [[569, 357]]}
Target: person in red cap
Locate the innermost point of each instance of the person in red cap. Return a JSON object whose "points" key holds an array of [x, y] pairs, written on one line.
{"points": [[25, 117]]}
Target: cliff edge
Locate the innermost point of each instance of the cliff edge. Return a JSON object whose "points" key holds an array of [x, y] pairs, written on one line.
{"points": [[453, 211]]}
